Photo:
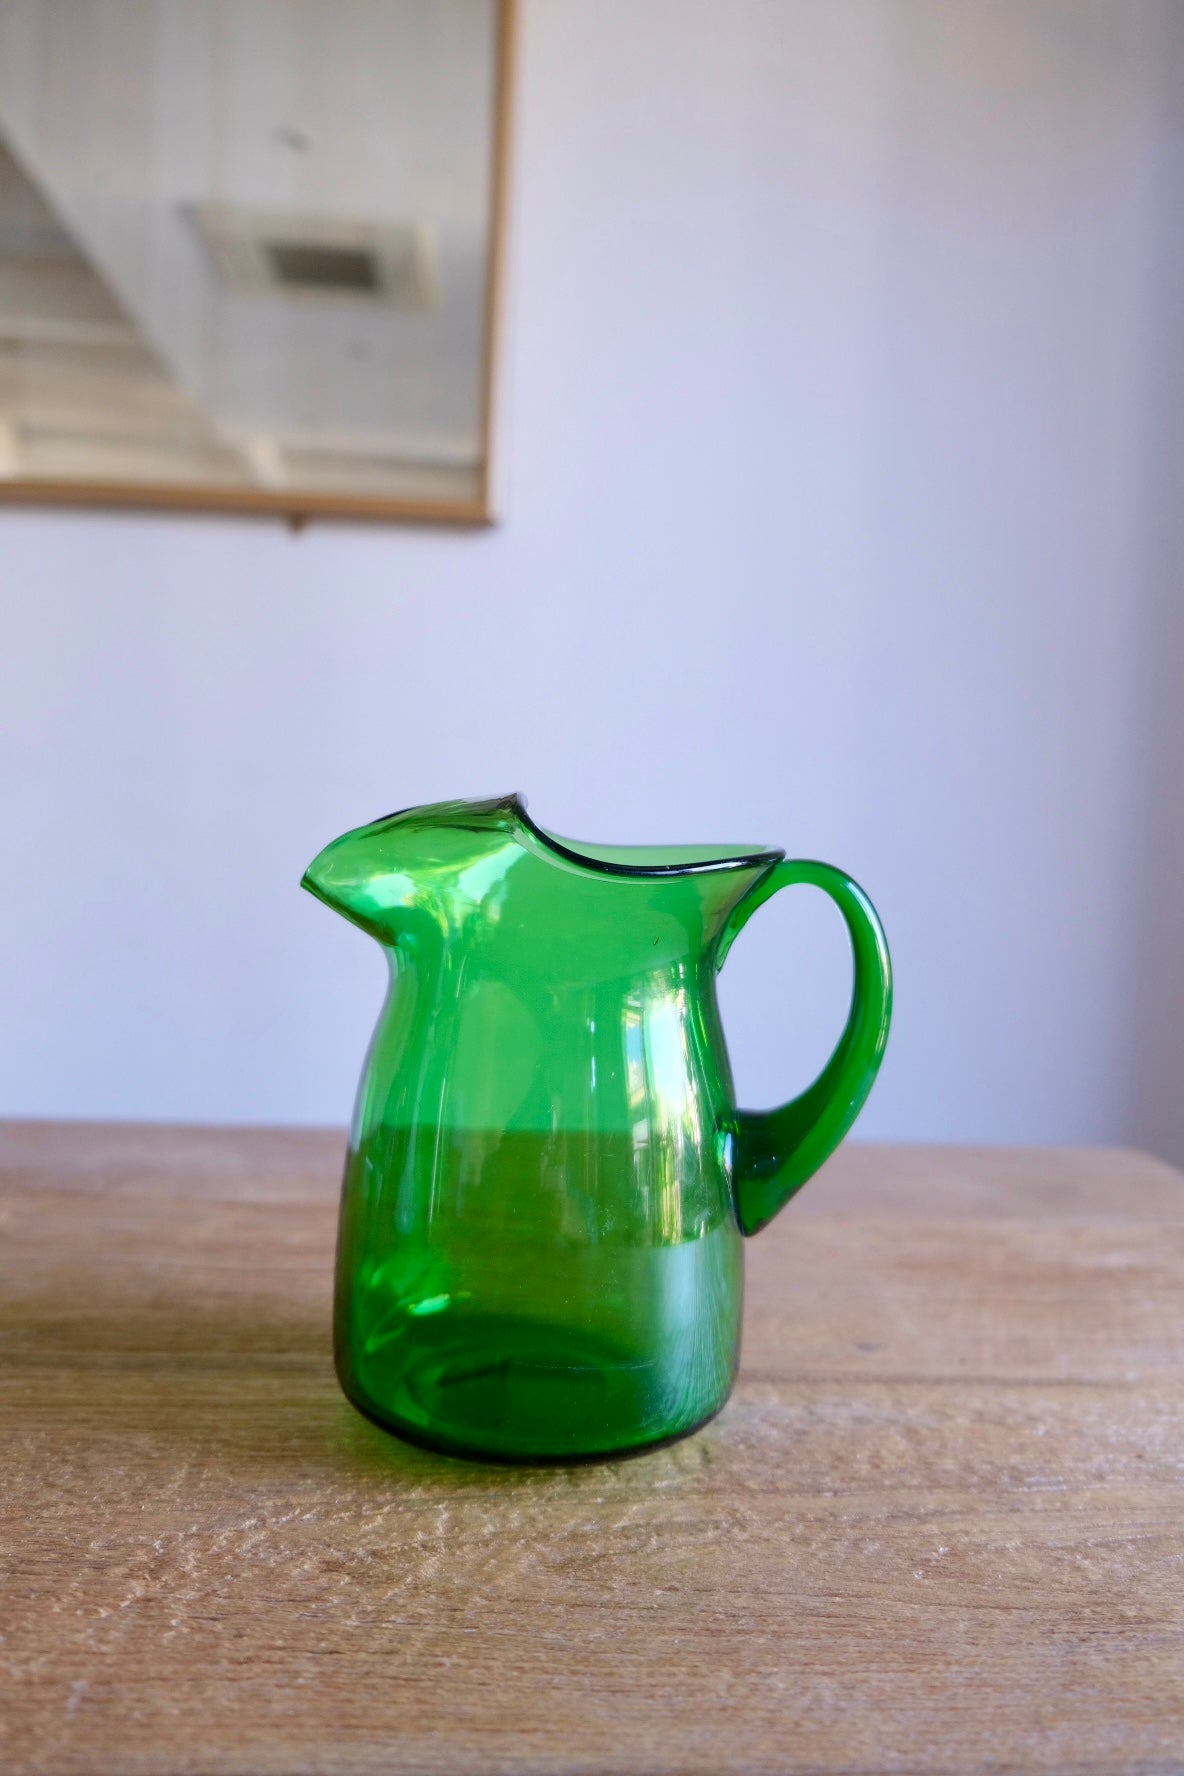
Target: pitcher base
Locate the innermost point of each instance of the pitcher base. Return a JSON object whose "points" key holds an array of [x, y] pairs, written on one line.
{"points": [[518, 1391]]}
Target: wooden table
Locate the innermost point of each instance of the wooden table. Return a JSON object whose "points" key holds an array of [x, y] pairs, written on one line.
{"points": [[939, 1527]]}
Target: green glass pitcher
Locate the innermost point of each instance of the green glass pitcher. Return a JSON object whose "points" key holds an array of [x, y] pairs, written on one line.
{"points": [[540, 1252]]}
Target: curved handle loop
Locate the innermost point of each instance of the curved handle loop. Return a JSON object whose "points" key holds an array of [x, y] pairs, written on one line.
{"points": [[777, 1150]]}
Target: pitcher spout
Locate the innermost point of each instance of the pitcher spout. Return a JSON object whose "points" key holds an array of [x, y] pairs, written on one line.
{"points": [[376, 875], [362, 896]]}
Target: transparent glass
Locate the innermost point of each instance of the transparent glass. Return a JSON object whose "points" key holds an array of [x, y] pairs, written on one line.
{"points": [[548, 1180]]}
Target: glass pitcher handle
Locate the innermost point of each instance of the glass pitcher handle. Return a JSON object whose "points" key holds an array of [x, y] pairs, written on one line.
{"points": [[777, 1150]]}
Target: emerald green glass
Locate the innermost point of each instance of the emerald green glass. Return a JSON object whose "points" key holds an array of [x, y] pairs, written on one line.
{"points": [[540, 1251]]}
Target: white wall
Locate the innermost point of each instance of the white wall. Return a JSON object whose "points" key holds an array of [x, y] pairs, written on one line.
{"points": [[1157, 1075], [829, 410]]}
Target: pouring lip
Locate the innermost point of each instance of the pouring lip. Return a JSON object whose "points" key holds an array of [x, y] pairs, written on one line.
{"points": [[569, 850], [514, 806]]}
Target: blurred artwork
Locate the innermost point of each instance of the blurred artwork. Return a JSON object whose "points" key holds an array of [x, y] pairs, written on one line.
{"points": [[248, 252]]}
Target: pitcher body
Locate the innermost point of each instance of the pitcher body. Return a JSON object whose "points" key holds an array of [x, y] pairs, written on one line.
{"points": [[540, 1252]]}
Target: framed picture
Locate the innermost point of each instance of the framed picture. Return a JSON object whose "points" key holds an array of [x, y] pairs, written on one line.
{"points": [[250, 253]]}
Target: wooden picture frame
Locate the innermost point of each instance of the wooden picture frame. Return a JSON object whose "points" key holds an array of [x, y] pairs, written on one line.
{"points": [[297, 506]]}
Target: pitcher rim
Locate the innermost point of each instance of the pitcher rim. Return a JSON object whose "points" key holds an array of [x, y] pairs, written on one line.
{"points": [[568, 849]]}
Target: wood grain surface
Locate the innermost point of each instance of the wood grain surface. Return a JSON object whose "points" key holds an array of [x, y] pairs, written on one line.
{"points": [[940, 1527]]}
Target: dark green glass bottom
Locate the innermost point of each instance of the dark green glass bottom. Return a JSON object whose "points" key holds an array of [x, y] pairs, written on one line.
{"points": [[519, 1390], [531, 1393], [513, 1387], [550, 1304]]}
